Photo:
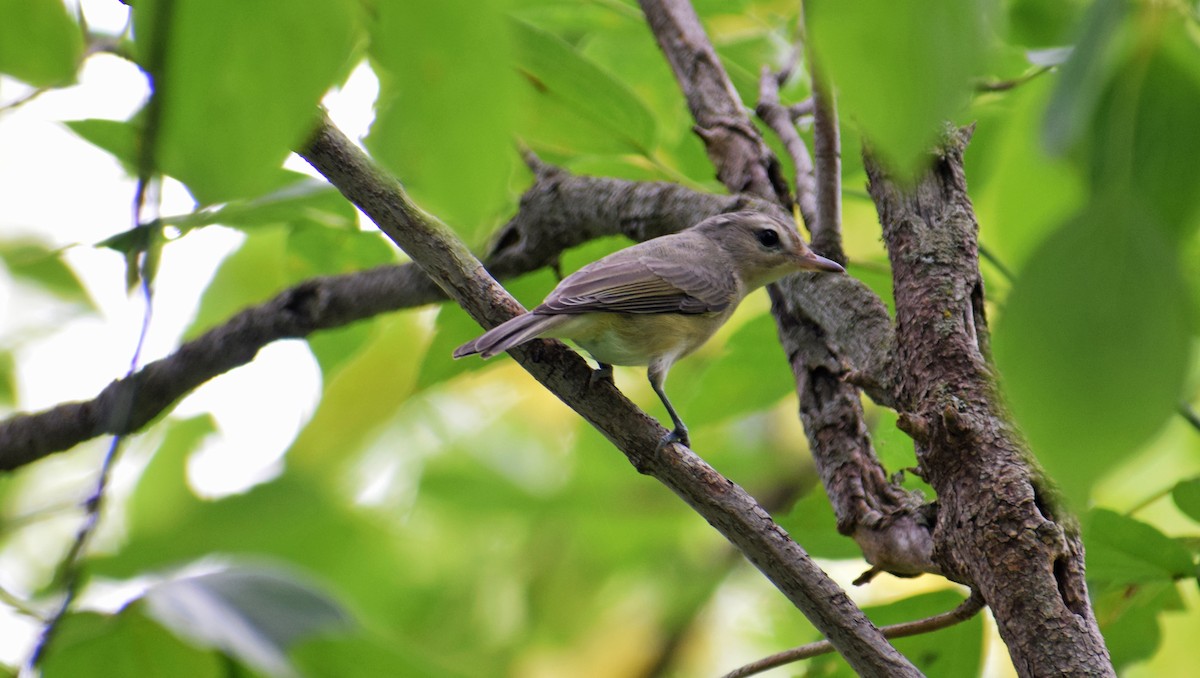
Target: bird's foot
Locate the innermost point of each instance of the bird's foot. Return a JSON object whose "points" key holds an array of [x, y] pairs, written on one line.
{"points": [[678, 435], [603, 373]]}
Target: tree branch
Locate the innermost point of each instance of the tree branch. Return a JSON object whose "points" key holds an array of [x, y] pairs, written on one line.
{"points": [[725, 505], [999, 527], [779, 119], [558, 212]]}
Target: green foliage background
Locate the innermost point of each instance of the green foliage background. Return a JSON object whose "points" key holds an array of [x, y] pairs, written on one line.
{"points": [[501, 535]]}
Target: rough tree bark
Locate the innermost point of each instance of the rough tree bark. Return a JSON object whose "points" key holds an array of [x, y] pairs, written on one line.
{"points": [[996, 528], [999, 526]]}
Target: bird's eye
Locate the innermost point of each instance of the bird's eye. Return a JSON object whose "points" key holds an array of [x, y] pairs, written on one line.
{"points": [[768, 238]]}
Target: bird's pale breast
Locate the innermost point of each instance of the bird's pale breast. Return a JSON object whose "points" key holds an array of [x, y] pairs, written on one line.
{"points": [[639, 338]]}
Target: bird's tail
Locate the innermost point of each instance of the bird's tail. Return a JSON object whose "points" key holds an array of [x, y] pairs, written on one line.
{"points": [[504, 336]]}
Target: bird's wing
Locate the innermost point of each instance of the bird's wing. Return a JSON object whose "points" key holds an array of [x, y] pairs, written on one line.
{"points": [[643, 280]]}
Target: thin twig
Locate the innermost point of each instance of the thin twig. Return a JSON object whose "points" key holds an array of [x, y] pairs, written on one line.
{"points": [[1189, 413], [987, 255], [967, 609], [801, 109], [1158, 494], [145, 200], [777, 117], [827, 156], [1005, 85]]}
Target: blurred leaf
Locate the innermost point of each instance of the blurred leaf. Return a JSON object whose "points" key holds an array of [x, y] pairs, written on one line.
{"points": [[252, 613], [8, 379], [333, 347], [248, 276], [1129, 619], [34, 263], [812, 524], [901, 68], [952, 652], [360, 657], [577, 94], [240, 85], [125, 645], [1126, 551], [117, 137], [752, 374], [896, 450], [288, 519], [447, 104], [39, 42], [1021, 193], [1186, 495], [1043, 23], [1082, 79], [162, 495], [299, 197], [1097, 295], [362, 395], [1144, 138], [314, 249]]}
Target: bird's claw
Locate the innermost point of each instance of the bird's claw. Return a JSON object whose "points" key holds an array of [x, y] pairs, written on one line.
{"points": [[678, 435], [603, 373]]}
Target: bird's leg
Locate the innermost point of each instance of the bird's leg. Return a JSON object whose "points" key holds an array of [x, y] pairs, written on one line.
{"points": [[603, 372], [679, 434]]}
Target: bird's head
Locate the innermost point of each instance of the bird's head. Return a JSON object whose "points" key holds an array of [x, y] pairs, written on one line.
{"points": [[764, 248]]}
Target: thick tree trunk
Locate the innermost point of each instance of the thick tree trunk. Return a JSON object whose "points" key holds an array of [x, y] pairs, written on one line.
{"points": [[999, 526]]}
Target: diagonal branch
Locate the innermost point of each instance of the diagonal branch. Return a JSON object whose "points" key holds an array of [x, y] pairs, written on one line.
{"points": [[722, 503]]}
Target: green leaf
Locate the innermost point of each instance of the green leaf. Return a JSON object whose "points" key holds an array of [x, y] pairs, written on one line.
{"points": [[1129, 619], [248, 276], [752, 374], [1021, 193], [126, 645], [364, 393], [447, 104], [8, 379], [1043, 23], [812, 524], [39, 42], [585, 98], [1186, 495], [253, 614], [314, 249], [162, 495], [951, 652], [901, 68], [373, 657], [1126, 551], [34, 263], [240, 85], [1082, 79], [116, 137], [289, 519], [1143, 139], [1094, 344], [299, 198]]}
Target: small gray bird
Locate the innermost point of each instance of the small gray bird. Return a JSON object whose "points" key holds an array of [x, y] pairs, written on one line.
{"points": [[657, 301]]}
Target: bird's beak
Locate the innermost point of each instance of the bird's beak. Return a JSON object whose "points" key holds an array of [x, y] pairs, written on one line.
{"points": [[814, 262]]}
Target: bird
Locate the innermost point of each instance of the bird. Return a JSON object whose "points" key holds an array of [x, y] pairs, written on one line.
{"points": [[659, 300]]}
